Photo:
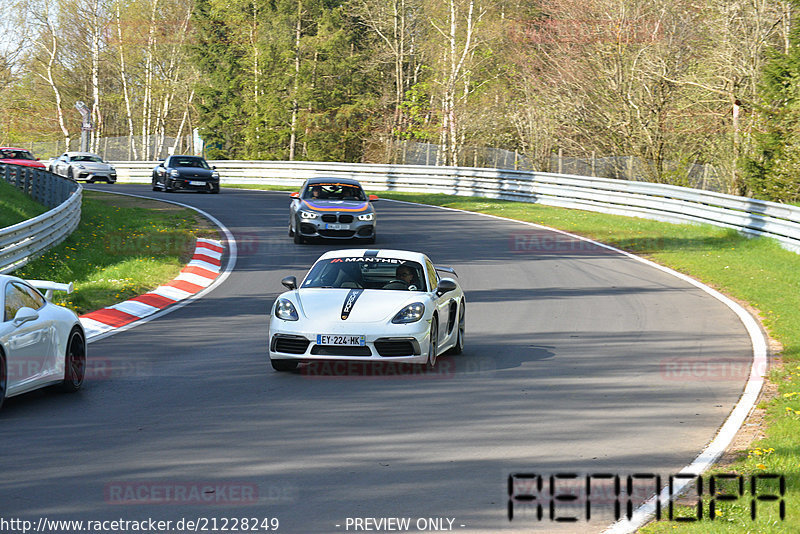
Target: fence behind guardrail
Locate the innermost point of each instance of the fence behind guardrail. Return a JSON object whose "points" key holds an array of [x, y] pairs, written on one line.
{"points": [[621, 197], [24, 241]]}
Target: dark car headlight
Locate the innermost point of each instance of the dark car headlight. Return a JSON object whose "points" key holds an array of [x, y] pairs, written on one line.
{"points": [[284, 309], [410, 314], [215, 175], [175, 173]]}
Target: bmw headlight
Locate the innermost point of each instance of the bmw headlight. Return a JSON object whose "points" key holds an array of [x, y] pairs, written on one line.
{"points": [[366, 217], [308, 215], [284, 309], [410, 314], [175, 173]]}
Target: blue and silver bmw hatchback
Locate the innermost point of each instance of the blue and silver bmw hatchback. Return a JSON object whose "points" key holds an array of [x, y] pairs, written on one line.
{"points": [[332, 208]]}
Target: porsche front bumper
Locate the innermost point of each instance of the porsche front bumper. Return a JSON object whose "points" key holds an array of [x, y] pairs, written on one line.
{"points": [[396, 343]]}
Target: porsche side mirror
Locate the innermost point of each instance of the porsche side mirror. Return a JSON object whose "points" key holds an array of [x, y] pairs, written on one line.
{"points": [[290, 282], [446, 285], [25, 315], [373, 198]]}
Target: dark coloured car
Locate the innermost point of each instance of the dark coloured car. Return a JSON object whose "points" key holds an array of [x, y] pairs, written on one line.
{"points": [[19, 156], [185, 173], [332, 208], [84, 166]]}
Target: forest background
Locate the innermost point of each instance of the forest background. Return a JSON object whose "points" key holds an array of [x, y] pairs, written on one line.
{"points": [[672, 83]]}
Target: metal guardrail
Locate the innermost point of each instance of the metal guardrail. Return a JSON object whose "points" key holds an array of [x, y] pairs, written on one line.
{"points": [[24, 241], [620, 197]]}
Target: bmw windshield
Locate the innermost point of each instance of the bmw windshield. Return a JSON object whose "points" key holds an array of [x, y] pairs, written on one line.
{"points": [[334, 191], [366, 273]]}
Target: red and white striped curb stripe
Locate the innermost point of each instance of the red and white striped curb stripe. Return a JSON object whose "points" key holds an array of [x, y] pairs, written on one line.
{"points": [[199, 273]]}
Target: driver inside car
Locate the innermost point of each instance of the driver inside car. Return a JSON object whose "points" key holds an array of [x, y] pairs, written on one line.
{"points": [[405, 279]]}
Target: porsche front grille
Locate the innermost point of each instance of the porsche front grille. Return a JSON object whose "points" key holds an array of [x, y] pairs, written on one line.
{"points": [[390, 348], [336, 350], [290, 345]]}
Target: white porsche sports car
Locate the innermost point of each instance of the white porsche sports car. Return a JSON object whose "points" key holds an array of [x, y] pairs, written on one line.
{"points": [[370, 306], [40, 343]]}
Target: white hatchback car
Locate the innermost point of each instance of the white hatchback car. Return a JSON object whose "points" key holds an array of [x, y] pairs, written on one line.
{"points": [[370, 306]]}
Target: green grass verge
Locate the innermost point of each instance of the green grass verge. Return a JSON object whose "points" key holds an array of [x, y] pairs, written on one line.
{"points": [[123, 247], [16, 206], [754, 270]]}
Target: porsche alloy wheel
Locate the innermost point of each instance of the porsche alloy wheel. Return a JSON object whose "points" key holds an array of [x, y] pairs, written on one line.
{"points": [[74, 362], [433, 346], [283, 366], [458, 348]]}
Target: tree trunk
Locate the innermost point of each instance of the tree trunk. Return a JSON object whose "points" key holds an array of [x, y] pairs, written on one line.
{"points": [[147, 103], [295, 102], [132, 153], [98, 116]]}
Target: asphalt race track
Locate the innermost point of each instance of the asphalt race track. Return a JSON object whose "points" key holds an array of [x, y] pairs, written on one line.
{"points": [[577, 360]]}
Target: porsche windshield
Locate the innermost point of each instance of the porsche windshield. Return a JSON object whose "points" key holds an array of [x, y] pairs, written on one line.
{"points": [[188, 162], [366, 273], [333, 191], [88, 158]]}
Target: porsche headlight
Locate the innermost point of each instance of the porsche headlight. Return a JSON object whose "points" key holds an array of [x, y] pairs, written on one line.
{"points": [[410, 314], [284, 309], [215, 175], [308, 215], [175, 172], [366, 217]]}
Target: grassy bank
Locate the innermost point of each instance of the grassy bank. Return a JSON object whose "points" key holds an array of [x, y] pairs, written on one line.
{"points": [[16, 206], [123, 247]]}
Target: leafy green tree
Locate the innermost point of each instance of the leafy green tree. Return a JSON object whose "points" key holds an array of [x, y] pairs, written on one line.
{"points": [[772, 173]]}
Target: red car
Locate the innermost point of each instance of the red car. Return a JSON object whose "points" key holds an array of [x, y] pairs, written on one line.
{"points": [[19, 156]]}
